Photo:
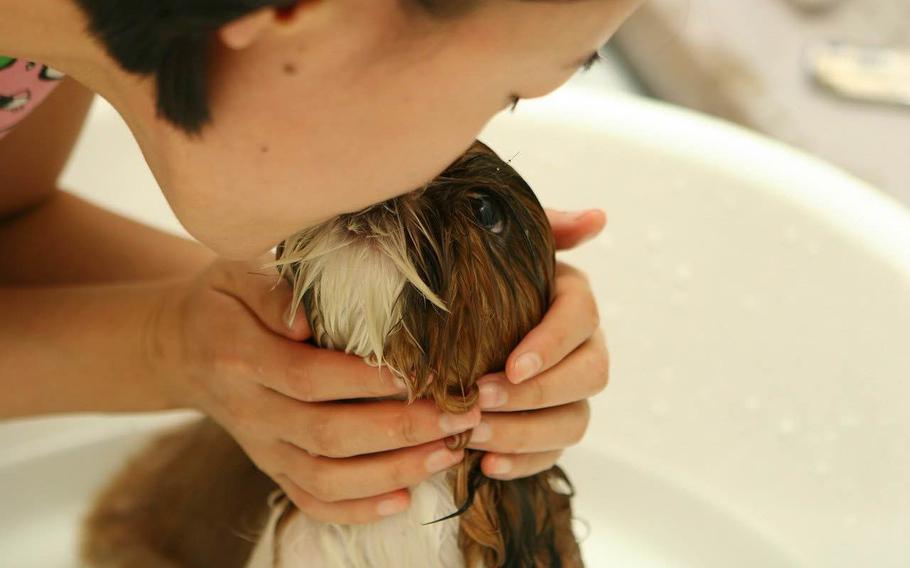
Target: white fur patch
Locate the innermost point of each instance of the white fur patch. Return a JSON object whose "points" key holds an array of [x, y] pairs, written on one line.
{"points": [[395, 542], [356, 281]]}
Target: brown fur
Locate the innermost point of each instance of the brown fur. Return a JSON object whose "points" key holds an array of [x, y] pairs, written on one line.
{"points": [[192, 499], [495, 285]]}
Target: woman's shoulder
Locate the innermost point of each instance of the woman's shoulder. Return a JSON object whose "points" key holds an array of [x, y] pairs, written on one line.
{"points": [[23, 86]]}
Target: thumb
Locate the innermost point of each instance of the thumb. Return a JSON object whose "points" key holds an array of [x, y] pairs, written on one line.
{"points": [[574, 228], [261, 290]]}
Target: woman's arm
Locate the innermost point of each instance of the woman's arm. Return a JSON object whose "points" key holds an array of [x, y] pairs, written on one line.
{"points": [[78, 349], [65, 240], [50, 237]]}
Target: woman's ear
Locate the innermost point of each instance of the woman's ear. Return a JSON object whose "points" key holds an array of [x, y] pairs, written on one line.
{"points": [[245, 31]]}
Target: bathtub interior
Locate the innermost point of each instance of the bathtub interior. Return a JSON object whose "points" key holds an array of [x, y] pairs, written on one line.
{"points": [[756, 303]]}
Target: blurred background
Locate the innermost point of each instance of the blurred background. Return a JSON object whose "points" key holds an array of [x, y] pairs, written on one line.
{"points": [[831, 77]]}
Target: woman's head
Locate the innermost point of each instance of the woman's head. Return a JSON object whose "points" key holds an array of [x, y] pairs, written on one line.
{"points": [[260, 117]]}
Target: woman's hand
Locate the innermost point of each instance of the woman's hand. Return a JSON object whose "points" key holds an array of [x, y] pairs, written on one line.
{"points": [[221, 344], [539, 405]]}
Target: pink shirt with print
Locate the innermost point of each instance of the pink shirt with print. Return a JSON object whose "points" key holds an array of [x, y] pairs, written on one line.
{"points": [[23, 85]]}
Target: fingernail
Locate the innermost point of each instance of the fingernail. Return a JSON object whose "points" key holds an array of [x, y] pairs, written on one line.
{"points": [[501, 466], [579, 214], [527, 366], [483, 432], [492, 396], [442, 459], [457, 423], [390, 507], [571, 215]]}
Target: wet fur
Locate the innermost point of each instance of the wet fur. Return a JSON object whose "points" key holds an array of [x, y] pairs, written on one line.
{"points": [[451, 300]]}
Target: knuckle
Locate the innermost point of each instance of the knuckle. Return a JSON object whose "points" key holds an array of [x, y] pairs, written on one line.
{"points": [[403, 475], [591, 311], [229, 363], [324, 439], [515, 441], [537, 397], [240, 411], [599, 368], [560, 337], [407, 428], [300, 384], [581, 427], [321, 486]]}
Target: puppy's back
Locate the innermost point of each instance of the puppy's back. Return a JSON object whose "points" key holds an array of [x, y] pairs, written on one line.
{"points": [[192, 499]]}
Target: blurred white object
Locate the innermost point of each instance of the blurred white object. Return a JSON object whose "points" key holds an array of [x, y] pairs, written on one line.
{"points": [[756, 302], [745, 61], [872, 74]]}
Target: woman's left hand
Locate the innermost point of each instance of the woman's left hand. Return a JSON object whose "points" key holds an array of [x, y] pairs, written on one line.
{"points": [[539, 406]]}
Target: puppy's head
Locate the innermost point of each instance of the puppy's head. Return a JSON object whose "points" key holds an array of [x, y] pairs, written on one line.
{"points": [[439, 284]]}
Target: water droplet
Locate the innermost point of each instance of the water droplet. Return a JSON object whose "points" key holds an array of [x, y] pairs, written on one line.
{"points": [[786, 426], [753, 403], [655, 236], [678, 298], [791, 234], [822, 468], [660, 408], [750, 303], [849, 421], [683, 273]]}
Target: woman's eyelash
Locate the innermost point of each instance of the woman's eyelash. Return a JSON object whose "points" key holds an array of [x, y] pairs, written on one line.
{"points": [[591, 61]]}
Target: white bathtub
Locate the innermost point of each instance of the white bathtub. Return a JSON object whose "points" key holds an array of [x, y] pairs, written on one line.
{"points": [[757, 304]]}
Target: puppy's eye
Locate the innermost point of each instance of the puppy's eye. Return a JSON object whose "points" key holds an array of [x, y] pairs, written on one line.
{"points": [[487, 214]]}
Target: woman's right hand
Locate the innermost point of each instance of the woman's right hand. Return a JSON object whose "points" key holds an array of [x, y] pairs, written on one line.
{"points": [[220, 343]]}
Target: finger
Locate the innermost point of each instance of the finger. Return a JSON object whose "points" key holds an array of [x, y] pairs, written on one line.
{"points": [[517, 466], [311, 374], [331, 480], [571, 229], [570, 321], [263, 293], [530, 432], [352, 512], [583, 374], [340, 430]]}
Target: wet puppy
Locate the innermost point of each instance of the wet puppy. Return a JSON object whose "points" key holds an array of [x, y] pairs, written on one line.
{"points": [[439, 286]]}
